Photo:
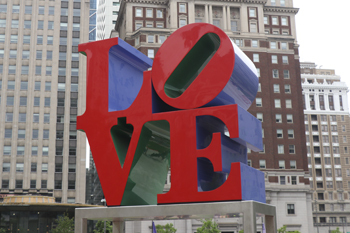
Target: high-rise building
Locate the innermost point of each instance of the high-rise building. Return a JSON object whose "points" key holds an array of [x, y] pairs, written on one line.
{"points": [[42, 91], [265, 30], [327, 129], [107, 14]]}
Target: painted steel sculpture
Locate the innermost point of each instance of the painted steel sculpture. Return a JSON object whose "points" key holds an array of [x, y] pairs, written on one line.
{"points": [[187, 113]]}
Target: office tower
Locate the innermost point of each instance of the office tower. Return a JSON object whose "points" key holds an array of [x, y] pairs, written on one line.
{"points": [[327, 129], [107, 14], [42, 91], [266, 32]]}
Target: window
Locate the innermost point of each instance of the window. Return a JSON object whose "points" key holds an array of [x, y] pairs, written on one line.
{"points": [[19, 167], [40, 24], [159, 13], [287, 88], [14, 23], [39, 39], [46, 134], [47, 118], [138, 12], [58, 184], [285, 59], [71, 184], [149, 13], [26, 39], [274, 20], [41, 10], [274, 59], [25, 54], [150, 53], [279, 133], [150, 38], [252, 12], [254, 43], [72, 134], [284, 21], [20, 150], [259, 87], [277, 103], [37, 102], [44, 167], [161, 39], [47, 86], [24, 85], [253, 26], [49, 40], [291, 149], [60, 119], [278, 118], [6, 167], [35, 134], [280, 149], [28, 10], [281, 164], [290, 133], [44, 184], [182, 7], [286, 74], [47, 101], [259, 116], [183, 22], [35, 152], [258, 102], [22, 117], [284, 45], [138, 25], [288, 103], [48, 70], [24, 69], [39, 54], [255, 57], [23, 101], [293, 164], [273, 45], [50, 25], [51, 10], [262, 163], [282, 180], [294, 180], [276, 88], [7, 150], [290, 209], [9, 100], [21, 133], [12, 69], [19, 184], [45, 150]]}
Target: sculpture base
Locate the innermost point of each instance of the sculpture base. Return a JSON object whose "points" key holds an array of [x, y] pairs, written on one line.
{"points": [[118, 215]]}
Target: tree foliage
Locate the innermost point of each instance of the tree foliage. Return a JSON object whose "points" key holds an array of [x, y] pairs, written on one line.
{"points": [[336, 231], [284, 230], [209, 226], [99, 227], [241, 231], [168, 228], [64, 225]]}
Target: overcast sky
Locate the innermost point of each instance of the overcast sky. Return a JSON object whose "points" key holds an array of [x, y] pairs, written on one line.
{"points": [[323, 34]]}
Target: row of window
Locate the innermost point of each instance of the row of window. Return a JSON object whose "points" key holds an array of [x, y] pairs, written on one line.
{"points": [[274, 59], [273, 45], [45, 149], [331, 219], [324, 128], [327, 161], [27, 9], [281, 165], [325, 138], [149, 12], [277, 105], [339, 196], [6, 167], [326, 150], [26, 39], [276, 20], [39, 54], [152, 39], [148, 24], [33, 185], [323, 118], [37, 86], [329, 184], [280, 149]]}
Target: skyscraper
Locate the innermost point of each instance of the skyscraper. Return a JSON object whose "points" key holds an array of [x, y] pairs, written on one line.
{"points": [[107, 14], [266, 32], [327, 129], [42, 91]]}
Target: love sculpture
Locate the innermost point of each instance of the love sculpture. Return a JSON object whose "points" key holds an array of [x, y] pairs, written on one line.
{"points": [[186, 111]]}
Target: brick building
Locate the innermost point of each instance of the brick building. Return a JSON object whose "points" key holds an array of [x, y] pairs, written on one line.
{"points": [[265, 30]]}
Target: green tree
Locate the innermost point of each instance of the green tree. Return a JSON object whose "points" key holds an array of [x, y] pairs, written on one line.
{"points": [[209, 226], [2, 230], [336, 231], [241, 231], [284, 230], [168, 228], [99, 227], [64, 225]]}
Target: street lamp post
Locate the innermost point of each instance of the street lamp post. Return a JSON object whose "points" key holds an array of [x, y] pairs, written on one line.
{"points": [[104, 225]]}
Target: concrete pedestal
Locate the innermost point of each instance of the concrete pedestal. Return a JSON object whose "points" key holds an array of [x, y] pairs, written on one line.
{"points": [[118, 215]]}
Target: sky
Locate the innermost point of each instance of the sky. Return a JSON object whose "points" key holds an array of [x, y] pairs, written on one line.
{"points": [[323, 35]]}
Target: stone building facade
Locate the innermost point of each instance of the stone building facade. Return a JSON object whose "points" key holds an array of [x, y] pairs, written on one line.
{"points": [[265, 30]]}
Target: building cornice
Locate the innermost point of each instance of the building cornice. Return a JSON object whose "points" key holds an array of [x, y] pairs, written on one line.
{"points": [[281, 9], [156, 2]]}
